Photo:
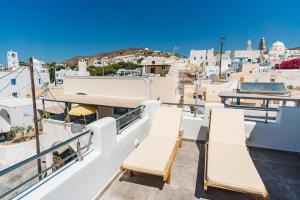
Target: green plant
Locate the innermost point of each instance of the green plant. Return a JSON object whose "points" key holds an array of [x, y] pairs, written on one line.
{"points": [[111, 69], [11, 134], [52, 68], [29, 128], [290, 87]]}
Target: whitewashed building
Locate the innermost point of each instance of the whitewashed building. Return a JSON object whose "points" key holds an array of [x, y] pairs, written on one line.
{"points": [[82, 71], [12, 59], [15, 79], [202, 58]]}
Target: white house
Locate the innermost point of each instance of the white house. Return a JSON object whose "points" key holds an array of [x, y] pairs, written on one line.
{"points": [[202, 58], [82, 71], [15, 79], [211, 70], [16, 82], [12, 59], [16, 112]]}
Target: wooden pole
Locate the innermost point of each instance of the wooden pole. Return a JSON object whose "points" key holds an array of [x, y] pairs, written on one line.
{"points": [[36, 128], [222, 43]]}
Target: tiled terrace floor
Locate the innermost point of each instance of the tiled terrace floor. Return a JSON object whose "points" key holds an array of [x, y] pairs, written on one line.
{"points": [[280, 172]]}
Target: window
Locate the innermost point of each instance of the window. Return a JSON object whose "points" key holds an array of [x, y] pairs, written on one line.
{"points": [[14, 94], [40, 81], [13, 81], [152, 70], [120, 111], [153, 62], [194, 58]]}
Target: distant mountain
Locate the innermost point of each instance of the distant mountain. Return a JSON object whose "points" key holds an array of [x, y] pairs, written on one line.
{"points": [[122, 52], [295, 48]]}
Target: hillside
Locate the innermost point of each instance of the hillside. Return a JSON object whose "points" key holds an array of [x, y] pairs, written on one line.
{"points": [[122, 52]]}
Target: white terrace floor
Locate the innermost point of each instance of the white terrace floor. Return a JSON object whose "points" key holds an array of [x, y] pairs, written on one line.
{"points": [[280, 172]]}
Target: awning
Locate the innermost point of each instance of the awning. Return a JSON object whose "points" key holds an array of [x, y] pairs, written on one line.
{"points": [[98, 100], [82, 111], [53, 109]]}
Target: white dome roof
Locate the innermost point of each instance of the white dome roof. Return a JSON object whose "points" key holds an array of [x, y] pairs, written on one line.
{"points": [[278, 46]]}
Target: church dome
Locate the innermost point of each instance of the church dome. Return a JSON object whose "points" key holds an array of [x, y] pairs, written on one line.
{"points": [[278, 46]]}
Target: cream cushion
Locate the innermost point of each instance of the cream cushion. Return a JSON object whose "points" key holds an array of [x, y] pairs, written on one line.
{"points": [[227, 126], [152, 155], [166, 121], [232, 166]]}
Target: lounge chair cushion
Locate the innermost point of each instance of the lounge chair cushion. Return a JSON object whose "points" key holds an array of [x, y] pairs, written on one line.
{"points": [[166, 122], [152, 155], [227, 126], [231, 165]]}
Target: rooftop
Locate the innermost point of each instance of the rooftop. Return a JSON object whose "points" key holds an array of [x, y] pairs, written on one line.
{"points": [[98, 100], [263, 88], [15, 102], [280, 172]]}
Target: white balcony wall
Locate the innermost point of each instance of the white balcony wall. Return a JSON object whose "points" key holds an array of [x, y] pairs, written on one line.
{"points": [[99, 165], [284, 134]]}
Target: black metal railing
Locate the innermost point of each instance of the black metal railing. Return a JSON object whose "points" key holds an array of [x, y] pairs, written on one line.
{"points": [[18, 171], [129, 118]]}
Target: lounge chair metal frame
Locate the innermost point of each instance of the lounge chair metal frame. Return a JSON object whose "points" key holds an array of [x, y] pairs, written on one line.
{"points": [[166, 175], [209, 184]]}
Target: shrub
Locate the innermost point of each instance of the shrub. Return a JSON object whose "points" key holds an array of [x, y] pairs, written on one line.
{"points": [[11, 134]]}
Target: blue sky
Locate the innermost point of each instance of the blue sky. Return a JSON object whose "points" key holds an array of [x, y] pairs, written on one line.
{"points": [[53, 30]]}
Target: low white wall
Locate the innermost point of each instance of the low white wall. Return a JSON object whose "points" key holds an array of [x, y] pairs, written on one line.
{"points": [[128, 87], [85, 179], [284, 134], [55, 131], [194, 128], [14, 153]]}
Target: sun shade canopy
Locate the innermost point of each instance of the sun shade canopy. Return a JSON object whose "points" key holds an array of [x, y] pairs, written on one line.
{"points": [[98, 100], [82, 111]]}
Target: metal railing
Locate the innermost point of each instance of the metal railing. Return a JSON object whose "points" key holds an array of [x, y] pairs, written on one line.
{"points": [[191, 108], [199, 109], [129, 118], [19, 170], [265, 116]]}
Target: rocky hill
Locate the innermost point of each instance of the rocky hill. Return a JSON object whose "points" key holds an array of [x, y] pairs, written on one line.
{"points": [[122, 52]]}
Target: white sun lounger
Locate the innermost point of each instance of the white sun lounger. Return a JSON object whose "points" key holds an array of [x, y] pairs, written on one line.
{"points": [[155, 155], [228, 164], [167, 122]]}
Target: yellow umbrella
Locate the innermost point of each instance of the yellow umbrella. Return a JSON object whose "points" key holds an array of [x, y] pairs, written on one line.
{"points": [[82, 111]]}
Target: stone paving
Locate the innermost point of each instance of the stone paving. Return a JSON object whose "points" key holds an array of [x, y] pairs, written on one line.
{"points": [[280, 172]]}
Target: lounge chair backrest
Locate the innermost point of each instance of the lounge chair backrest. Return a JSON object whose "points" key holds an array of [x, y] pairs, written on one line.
{"points": [[166, 121], [227, 126]]}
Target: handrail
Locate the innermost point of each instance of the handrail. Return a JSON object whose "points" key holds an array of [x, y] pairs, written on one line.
{"points": [[9, 169], [195, 106], [120, 126], [182, 104], [251, 108], [77, 153]]}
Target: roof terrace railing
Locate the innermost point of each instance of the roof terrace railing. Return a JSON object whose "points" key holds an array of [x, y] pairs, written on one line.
{"points": [[265, 112], [189, 108], [25, 181], [199, 109], [129, 118]]}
